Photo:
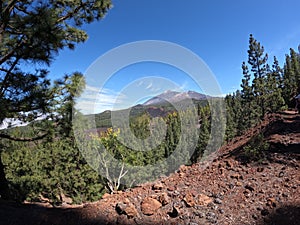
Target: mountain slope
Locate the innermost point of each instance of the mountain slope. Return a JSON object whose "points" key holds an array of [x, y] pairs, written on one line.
{"points": [[158, 106], [173, 96], [226, 190]]}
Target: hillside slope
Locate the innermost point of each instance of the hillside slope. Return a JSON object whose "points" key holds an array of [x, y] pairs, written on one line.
{"points": [[228, 190], [174, 96]]}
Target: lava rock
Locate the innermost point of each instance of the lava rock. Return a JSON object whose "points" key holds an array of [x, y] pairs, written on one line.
{"points": [[149, 206], [189, 200], [218, 201], [174, 213], [249, 187], [204, 199], [264, 212], [127, 209], [120, 208], [164, 199], [211, 217], [158, 186], [281, 174]]}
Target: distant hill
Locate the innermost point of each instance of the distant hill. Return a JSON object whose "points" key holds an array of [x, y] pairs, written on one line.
{"points": [[158, 106]]}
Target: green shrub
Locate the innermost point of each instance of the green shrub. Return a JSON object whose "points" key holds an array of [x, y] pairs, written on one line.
{"points": [[256, 147], [51, 170]]}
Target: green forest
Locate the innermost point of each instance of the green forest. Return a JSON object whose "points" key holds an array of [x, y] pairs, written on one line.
{"points": [[43, 159]]}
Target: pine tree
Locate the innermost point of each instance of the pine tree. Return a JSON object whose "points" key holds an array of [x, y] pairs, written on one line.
{"points": [[288, 81], [257, 59], [295, 60], [291, 78], [66, 91], [235, 109], [172, 133], [204, 135], [34, 32], [247, 100], [274, 99], [230, 122]]}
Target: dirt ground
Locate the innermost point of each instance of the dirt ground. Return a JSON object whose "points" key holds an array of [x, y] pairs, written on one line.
{"points": [[228, 190]]}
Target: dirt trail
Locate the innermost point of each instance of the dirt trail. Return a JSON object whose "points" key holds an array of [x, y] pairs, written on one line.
{"points": [[229, 190]]}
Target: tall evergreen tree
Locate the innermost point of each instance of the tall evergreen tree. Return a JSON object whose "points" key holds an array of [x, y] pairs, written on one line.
{"points": [[204, 135], [261, 94], [66, 91], [295, 59], [34, 32], [288, 81], [291, 77], [230, 120], [257, 59], [274, 99], [247, 99]]}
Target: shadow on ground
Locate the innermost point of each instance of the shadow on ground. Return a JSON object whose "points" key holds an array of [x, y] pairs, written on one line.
{"points": [[12, 213], [286, 215]]}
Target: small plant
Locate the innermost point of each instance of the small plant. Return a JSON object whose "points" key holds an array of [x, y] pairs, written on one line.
{"points": [[256, 148]]}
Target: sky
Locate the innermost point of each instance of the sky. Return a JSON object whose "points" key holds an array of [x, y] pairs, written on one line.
{"points": [[217, 31]]}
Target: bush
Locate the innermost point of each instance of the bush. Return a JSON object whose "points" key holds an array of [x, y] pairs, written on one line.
{"points": [[51, 170], [254, 151]]}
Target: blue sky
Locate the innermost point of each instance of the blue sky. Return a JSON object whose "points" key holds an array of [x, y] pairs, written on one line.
{"points": [[215, 30]]}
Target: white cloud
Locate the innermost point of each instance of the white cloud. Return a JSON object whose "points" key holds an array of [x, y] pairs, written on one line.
{"points": [[140, 83], [184, 86], [92, 89], [95, 100], [149, 85]]}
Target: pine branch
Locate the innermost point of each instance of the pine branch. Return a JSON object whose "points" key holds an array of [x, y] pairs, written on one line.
{"points": [[8, 73], [10, 54], [70, 14], [6, 136]]}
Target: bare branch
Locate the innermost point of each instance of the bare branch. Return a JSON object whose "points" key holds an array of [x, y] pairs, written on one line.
{"points": [[121, 175], [113, 184]]}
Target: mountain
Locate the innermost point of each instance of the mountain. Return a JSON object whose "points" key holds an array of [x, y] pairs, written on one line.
{"points": [[158, 106], [174, 96]]}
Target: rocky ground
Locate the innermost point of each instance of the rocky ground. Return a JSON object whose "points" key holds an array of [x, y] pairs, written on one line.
{"points": [[230, 189]]}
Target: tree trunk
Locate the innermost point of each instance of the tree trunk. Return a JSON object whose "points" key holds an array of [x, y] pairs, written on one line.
{"points": [[3, 181]]}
